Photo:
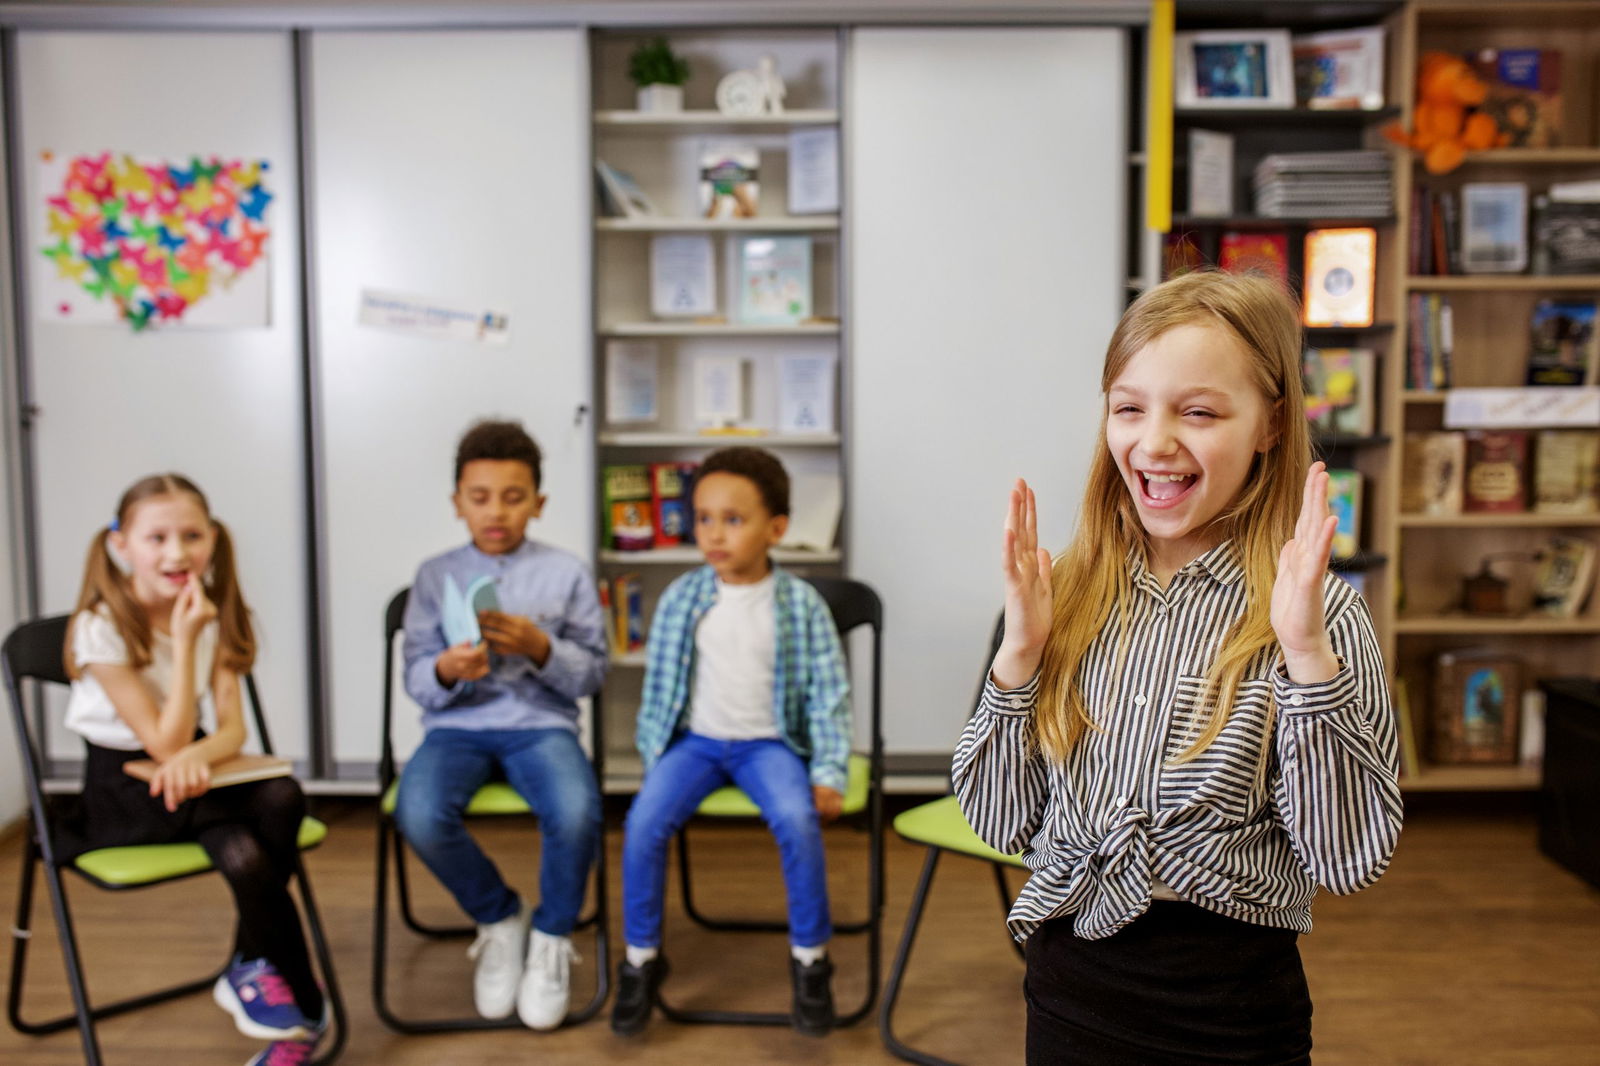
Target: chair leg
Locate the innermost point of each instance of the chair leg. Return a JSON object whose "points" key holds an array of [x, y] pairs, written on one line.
{"points": [[402, 885], [897, 971], [21, 935], [726, 925], [330, 979]]}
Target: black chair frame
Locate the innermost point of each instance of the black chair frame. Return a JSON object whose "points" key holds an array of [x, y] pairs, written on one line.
{"points": [[34, 651], [390, 841], [853, 604]]}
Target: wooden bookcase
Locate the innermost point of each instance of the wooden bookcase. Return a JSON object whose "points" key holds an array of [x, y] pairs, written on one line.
{"points": [[661, 152], [1491, 316]]}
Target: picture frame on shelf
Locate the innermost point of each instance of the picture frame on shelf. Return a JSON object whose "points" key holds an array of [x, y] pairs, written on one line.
{"points": [[1477, 705], [1340, 70], [1248, 68]]}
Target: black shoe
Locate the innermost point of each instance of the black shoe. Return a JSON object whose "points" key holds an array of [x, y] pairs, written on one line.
{"points": [[636, 994], [813, 996]]}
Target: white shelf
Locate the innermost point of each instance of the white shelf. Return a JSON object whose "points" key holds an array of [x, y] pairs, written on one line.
{"points": [[693, 440], [681, 556], [717, 329], [775, 224], [696, 121], [629, 660]]}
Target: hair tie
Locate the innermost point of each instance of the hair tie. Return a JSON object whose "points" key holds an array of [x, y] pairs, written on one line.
{"points": [[115, 525]]}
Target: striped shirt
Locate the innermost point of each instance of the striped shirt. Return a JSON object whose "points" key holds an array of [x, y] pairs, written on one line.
{"points": [[811, 688], [1097, 830]]}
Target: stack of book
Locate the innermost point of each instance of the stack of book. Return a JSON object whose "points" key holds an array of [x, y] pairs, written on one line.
{"points": [[1324, 185]]}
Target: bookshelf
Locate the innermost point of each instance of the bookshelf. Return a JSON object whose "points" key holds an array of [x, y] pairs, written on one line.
{"points": [[662, 153], [1491, 312]]}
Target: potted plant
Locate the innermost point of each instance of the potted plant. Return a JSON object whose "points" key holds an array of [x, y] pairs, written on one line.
{"points": [[659, 73]]}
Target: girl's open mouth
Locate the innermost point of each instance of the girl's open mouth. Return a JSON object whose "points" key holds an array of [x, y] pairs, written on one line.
{"points": [[1160, 489]]}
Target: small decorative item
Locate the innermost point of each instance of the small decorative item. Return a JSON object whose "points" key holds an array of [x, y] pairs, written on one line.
{"points": [[752, 92], [1233, 68], [1487, 592], [1477, 701], [659, 73], [1448, 120]]}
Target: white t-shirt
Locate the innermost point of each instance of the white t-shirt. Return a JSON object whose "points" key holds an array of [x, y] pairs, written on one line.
{"points": [[736, 649], [90, 712]]}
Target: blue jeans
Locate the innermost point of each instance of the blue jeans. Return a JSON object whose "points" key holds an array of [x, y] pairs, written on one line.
{"points": [[775, 778], [549, 770]]}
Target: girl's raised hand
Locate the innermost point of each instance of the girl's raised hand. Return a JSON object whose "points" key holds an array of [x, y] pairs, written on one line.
{"points": [[192, 610], [1029, 599], [1297, 608]]}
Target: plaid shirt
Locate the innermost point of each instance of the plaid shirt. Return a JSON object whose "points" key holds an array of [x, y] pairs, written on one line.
{"points": [[810, 686]]}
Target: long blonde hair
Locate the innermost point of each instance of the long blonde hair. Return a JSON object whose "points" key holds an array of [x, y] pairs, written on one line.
{"points": [[1259, 314], [104, 584]]}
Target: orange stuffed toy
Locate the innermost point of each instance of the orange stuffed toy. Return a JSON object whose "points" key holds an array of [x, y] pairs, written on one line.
{"points": [[1444, 125]]}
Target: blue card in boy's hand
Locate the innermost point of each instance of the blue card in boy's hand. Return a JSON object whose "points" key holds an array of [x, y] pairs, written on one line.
{"points": [[458, 616]]}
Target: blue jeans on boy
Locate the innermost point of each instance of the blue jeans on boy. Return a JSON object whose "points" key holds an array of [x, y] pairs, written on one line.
{"points": [[549, 770], [693, 767]]}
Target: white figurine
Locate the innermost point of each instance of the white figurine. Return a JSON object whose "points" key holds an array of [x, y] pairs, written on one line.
{"points": [[752, 92]]}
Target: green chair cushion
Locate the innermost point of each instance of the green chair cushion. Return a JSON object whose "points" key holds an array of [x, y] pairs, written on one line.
{"points": [[497, 797], [146, 864], [730, 802], [941, 824]]}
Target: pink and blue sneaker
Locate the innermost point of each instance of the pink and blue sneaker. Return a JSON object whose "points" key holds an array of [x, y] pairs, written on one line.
{"points": [[261, 1004], [288, 1052]]}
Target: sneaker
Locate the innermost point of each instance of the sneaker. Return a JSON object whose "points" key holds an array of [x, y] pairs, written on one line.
{"points": [[259, 999], [636, 994], [498, 951], [813, 996], [546, 980], [291, 1052]]}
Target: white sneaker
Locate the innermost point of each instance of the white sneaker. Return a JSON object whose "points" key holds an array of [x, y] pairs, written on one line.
{"points": [[498, 951], [546, 981]]}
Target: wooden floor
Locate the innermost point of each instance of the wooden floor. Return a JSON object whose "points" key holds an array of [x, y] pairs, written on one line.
{"points": [[1473, 949]]}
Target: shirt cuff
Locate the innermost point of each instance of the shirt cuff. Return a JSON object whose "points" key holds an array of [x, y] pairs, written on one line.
{"points": [[1317, 698], [1012, 702]]}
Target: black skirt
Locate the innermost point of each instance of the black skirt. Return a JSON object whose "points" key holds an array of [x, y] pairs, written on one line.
{"points": [[1180, 986]]}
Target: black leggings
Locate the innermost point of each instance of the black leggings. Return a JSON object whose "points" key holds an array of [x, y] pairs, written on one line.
{"points": [[251, 834]]}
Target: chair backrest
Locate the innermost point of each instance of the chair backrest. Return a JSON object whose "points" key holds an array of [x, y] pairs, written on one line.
{"points": [[853, 604]]}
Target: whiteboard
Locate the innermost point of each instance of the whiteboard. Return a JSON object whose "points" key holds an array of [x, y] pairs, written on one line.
{"points": [[986, 213], [451, 166], [222, 405]]}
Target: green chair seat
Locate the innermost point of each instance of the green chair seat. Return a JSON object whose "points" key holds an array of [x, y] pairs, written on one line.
{"points": [[731, 802], [941, 824], [497, 797], [143, 864]]}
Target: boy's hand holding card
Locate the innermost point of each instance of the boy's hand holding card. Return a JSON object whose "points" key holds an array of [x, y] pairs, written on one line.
{"points": [[512, 634]]}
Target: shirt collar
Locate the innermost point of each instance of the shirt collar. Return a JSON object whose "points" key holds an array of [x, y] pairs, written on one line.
{"points": [[479, 554], [1221, 564]]}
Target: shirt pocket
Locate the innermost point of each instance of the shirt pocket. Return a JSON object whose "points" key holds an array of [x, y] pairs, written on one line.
{"points": [[1223, 777]]}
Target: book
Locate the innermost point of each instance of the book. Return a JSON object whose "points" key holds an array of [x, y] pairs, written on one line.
{"points": [[1562, 343], [1344, 501], [670, 505], [682, 276], [619, 195], [1565, 466], [633, 371], [815, 502], [239, 770], [813, 171], [1566, 237], [1340, 391], [718, 390], [1524, 93], [626, 508], [1210, 173], [1341, 273], [628, 605], [1563, 577], [1410, 755], [458, 614], [607, 613], [1262, 252], [773, 279], [1496, 472], [1494, 227], [730, 184], [805, 393], [1477, 700], [1431, 478], [1339, 68]]}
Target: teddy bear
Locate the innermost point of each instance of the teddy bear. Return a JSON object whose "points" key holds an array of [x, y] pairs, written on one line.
{"points": [[1446, 124]]}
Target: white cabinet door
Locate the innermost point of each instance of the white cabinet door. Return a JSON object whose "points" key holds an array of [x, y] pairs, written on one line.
{"points": [[987, 202], [222, 405], [451, 166]]}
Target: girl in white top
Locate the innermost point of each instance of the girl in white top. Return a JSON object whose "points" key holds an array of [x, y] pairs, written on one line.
{"points": [[160, 623]]}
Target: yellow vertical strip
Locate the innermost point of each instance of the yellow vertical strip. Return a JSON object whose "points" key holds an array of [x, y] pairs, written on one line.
{"points": [[1158, 119]]}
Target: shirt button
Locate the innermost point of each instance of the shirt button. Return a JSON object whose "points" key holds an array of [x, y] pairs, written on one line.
{"points": [[1296, 700], [1014, 703], [1139, 700], [1162, 609], [1120, 801]]}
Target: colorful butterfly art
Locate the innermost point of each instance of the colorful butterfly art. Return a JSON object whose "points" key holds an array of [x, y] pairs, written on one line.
{"points": [[148, 242]]}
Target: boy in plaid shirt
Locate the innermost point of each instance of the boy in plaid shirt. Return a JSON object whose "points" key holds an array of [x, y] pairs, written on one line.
{"points": [[745, 684]]}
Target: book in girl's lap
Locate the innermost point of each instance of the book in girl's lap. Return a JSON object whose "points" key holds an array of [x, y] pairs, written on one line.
{"points": [[160, 624]]}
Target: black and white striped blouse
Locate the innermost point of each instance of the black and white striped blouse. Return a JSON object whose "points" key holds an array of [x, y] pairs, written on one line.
{"points": [[1098, 830]]}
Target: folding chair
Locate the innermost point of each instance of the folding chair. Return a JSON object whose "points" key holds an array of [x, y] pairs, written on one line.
{"points": [[942, 827], [34, 650], [853, 604], [495, 799]]}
